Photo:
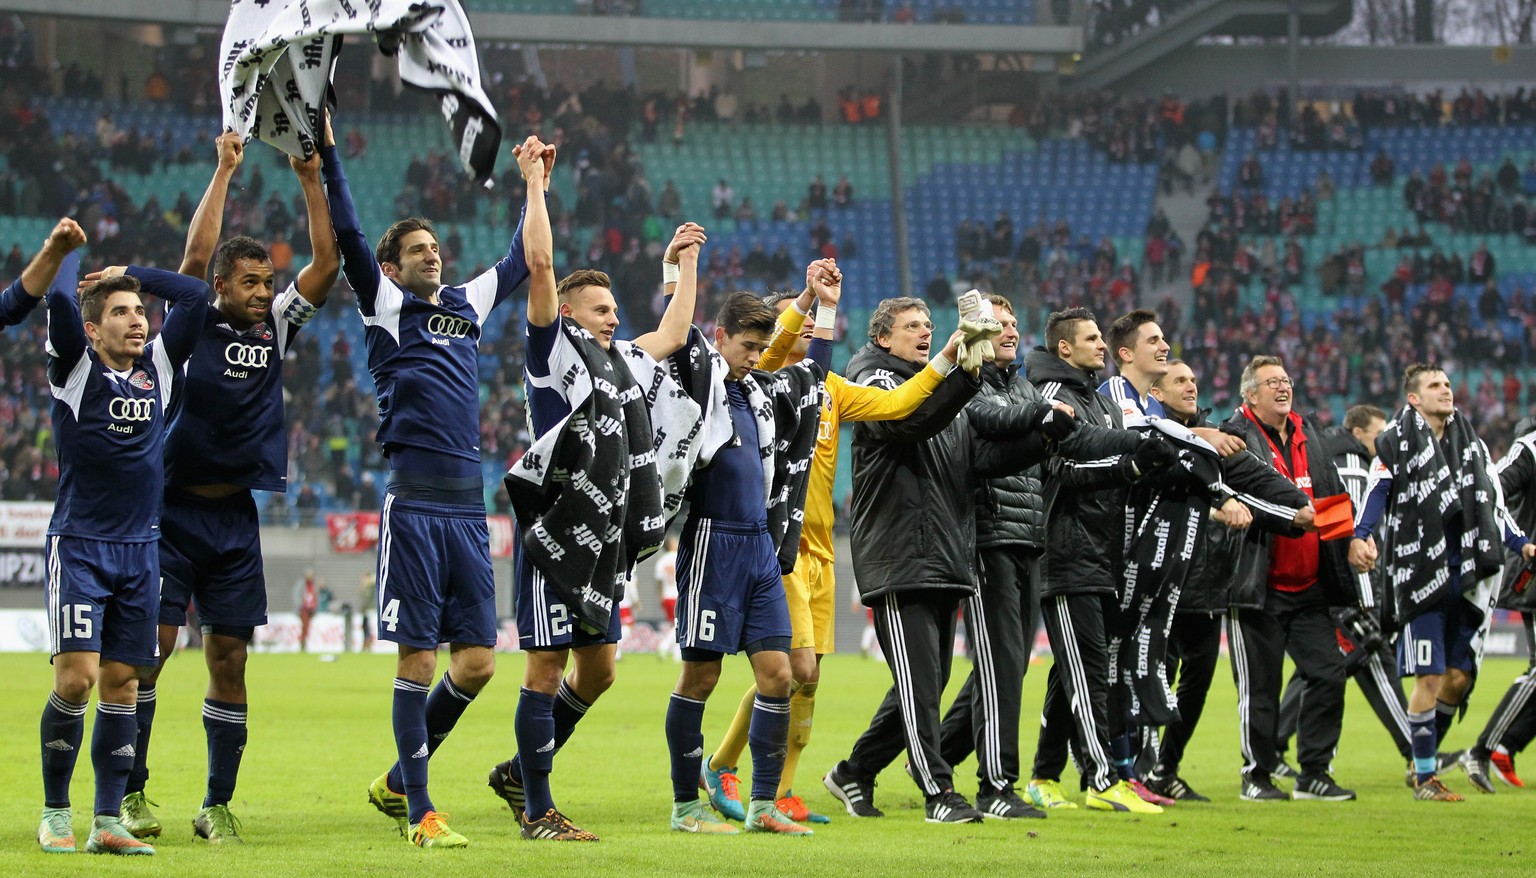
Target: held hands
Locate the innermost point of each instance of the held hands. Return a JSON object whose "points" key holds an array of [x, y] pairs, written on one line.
{"points": [[1234, 514], [65, 237], [825, 279], [1362, 554], [688, 239], [532, 161], [980, 327]]}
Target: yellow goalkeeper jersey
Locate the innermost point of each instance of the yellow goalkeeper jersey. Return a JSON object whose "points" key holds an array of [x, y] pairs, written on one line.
{"points": [[842, 401]]}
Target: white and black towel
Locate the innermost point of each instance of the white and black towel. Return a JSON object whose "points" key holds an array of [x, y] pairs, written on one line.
{"points": [[588, 495], [787, 407], [1164, 523], [1435, 482], [276, 59]]}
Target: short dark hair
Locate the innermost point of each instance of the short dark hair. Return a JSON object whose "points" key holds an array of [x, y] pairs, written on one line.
{"points": [[745, 312], [582, 277], [1062, 326], [1172, 361], [1122, 333], [388, 249], [93, 301], [235, 249], [999, 301], [1360, 416], [1413, 375], [883, 321]]}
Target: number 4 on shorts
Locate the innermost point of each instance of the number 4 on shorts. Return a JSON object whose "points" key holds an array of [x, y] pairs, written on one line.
{"points": [[391, 614]]}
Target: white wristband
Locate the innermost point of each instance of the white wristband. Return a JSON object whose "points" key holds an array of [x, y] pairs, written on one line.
{"points": [[669, 272], [826, 316], [795, 304], [942, 364]]}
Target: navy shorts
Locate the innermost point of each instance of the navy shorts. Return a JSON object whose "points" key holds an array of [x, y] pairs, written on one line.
{"points": [[210, 555], [544, 621], [435, 579], [104, 598], [1440, 638], [730, 593]]}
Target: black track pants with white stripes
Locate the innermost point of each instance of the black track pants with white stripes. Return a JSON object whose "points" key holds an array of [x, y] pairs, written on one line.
{"points": [[1259, 640], [917, 634], [1513, 723], [1077, 689], [1194, 649], [1000, 627], [1382, 686]]}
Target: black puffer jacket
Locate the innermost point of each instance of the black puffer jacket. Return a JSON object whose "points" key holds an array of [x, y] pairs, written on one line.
{"points": [[1085, 498], [1271, 498], [914, 484], [1010, 511], [1250, 579]]}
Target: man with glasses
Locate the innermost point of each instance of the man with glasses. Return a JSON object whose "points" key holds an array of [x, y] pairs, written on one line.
{"points": [[1282, 590]]}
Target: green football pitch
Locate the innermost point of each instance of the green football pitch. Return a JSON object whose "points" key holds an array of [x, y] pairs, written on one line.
{"points": [[320, 733]]}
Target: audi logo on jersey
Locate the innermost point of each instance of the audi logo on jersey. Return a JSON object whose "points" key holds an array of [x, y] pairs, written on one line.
{"points": [[448, 326], [255, 356], [127, 409]]}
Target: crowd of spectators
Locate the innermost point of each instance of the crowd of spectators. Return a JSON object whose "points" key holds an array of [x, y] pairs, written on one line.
{"points": [[1247, 262]]}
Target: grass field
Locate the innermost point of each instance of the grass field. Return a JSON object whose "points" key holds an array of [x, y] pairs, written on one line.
{"points": [[320, 732]]}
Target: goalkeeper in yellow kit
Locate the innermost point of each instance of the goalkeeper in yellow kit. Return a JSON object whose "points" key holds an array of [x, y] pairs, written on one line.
{"points": [[810, 588]]}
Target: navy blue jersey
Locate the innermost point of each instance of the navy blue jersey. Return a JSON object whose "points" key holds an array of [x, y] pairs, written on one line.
{"points": [[549, 353], [226, 412], [16, 304], [731, 487], [423, 356], [110, 426], [1132, 404]]}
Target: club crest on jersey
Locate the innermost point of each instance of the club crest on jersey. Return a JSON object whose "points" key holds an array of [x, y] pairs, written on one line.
{"points": [[263, 332], [141, 380]]}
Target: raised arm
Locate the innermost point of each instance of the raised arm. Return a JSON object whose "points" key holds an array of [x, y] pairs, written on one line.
{"points": [[538, 237], [824, 278], [66, 334], [357, 261], [932, 415], [683, 254], [316, 279], [208, 219], [22, 296]]}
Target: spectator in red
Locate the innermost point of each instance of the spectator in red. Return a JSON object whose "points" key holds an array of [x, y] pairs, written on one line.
{"points": [[307, 596]]}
